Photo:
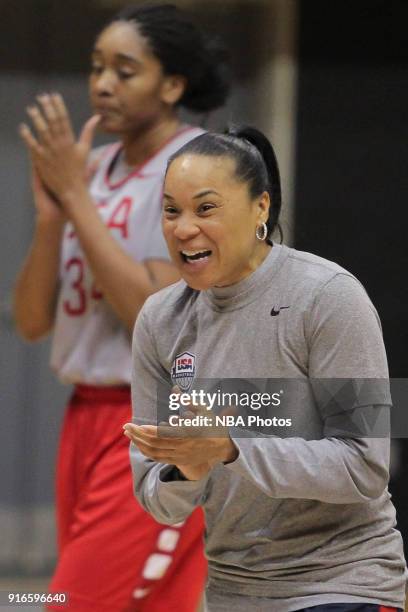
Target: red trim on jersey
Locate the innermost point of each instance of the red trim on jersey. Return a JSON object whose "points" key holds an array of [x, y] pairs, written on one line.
{"points": [[95, 163], [138, 171], [386, 609]]}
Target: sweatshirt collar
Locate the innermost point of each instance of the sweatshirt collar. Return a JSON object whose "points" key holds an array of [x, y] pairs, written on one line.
{"points": [[250, 288]]}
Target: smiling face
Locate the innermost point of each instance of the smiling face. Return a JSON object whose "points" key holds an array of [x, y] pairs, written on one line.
{"points": [[209, 221], [127, 85]]}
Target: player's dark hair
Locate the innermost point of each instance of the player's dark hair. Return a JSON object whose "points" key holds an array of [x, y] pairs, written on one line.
{"points": [[183, 49], [255, 163]]}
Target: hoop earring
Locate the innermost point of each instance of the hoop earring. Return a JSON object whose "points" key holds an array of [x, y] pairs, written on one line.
{"points": [[264, 229]]}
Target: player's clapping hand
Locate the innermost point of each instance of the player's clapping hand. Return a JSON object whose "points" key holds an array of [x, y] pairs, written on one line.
{"points": [[58, 158], [193, 449], [48, 209]]}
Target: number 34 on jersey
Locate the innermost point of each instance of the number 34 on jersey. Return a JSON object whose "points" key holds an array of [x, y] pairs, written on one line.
{"points": [[82, 288]]}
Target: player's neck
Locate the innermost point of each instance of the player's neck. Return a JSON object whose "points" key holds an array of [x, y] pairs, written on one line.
{"points": [[140, 145]]}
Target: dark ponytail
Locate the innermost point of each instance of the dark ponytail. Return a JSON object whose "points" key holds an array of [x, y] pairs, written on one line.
{"points": [[255, 175], [183, 49], [255, 164]]}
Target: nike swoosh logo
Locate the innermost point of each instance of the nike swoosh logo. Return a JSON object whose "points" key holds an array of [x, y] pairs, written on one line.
{"points": [[274, 313]]}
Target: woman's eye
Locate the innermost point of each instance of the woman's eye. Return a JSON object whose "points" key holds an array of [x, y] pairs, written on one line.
{"points": [[206, 208], [96, 68], [124, 74], [170, 210]]}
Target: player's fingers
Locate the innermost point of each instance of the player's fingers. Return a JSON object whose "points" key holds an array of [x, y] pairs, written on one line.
{"points": [[158, 454], [137, 434], [152, 434], [33, 145], [63, 122], [145, 431], [88, 131], [152, 448], [161, 456], [40, 125], [48, 111], [178, 432]]}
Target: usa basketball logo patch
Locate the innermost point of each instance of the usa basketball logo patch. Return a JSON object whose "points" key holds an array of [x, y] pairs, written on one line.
{"points": [[183, 370]]}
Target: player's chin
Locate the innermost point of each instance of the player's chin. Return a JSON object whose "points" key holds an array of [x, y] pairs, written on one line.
{"points": [[198, 282], [111, 125]]}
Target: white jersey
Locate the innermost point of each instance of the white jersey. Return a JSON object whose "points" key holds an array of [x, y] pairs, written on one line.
{"points": [[91, 345]]}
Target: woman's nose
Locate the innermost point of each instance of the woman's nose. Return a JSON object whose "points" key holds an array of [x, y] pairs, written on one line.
{"points": [[105, 83], [186, 228]]}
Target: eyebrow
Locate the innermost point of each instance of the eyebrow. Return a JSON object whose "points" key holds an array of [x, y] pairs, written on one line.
{"points": [[205, 192], [201, 194], [120, 56]]}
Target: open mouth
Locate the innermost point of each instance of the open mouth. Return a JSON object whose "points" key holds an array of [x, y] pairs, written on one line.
{"points": [[194, 255]]}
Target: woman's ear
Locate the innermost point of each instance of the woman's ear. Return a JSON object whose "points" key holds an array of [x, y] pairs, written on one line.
{"points": [[173, 88], [263, 207]]}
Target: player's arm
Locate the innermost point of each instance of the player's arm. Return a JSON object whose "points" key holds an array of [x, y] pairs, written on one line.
{"points": [[61, 163], [345, 343], [36, 288], [125, 284]]}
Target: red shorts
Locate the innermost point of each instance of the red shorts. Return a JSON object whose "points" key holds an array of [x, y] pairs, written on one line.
{"points": [[112, 554]]}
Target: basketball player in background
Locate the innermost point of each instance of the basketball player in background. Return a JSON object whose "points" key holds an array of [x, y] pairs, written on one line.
{"points": [[97, 254]]}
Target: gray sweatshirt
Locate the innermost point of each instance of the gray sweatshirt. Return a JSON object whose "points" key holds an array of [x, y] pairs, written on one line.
{"points": [[304, 519]]}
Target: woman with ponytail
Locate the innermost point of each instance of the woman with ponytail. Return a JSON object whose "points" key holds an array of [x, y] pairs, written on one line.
{"points": [[291, 464], [97, 253]]}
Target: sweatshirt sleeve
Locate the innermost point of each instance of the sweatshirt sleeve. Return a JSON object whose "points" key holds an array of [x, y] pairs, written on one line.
{"points": [[160, 488], [345, 346]]}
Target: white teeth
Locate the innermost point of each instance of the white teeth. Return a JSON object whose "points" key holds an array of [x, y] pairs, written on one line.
{"points": [[192, 253]]}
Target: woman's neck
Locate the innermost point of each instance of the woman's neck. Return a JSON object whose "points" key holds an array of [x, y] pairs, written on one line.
{"points": [[143, 143]]}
